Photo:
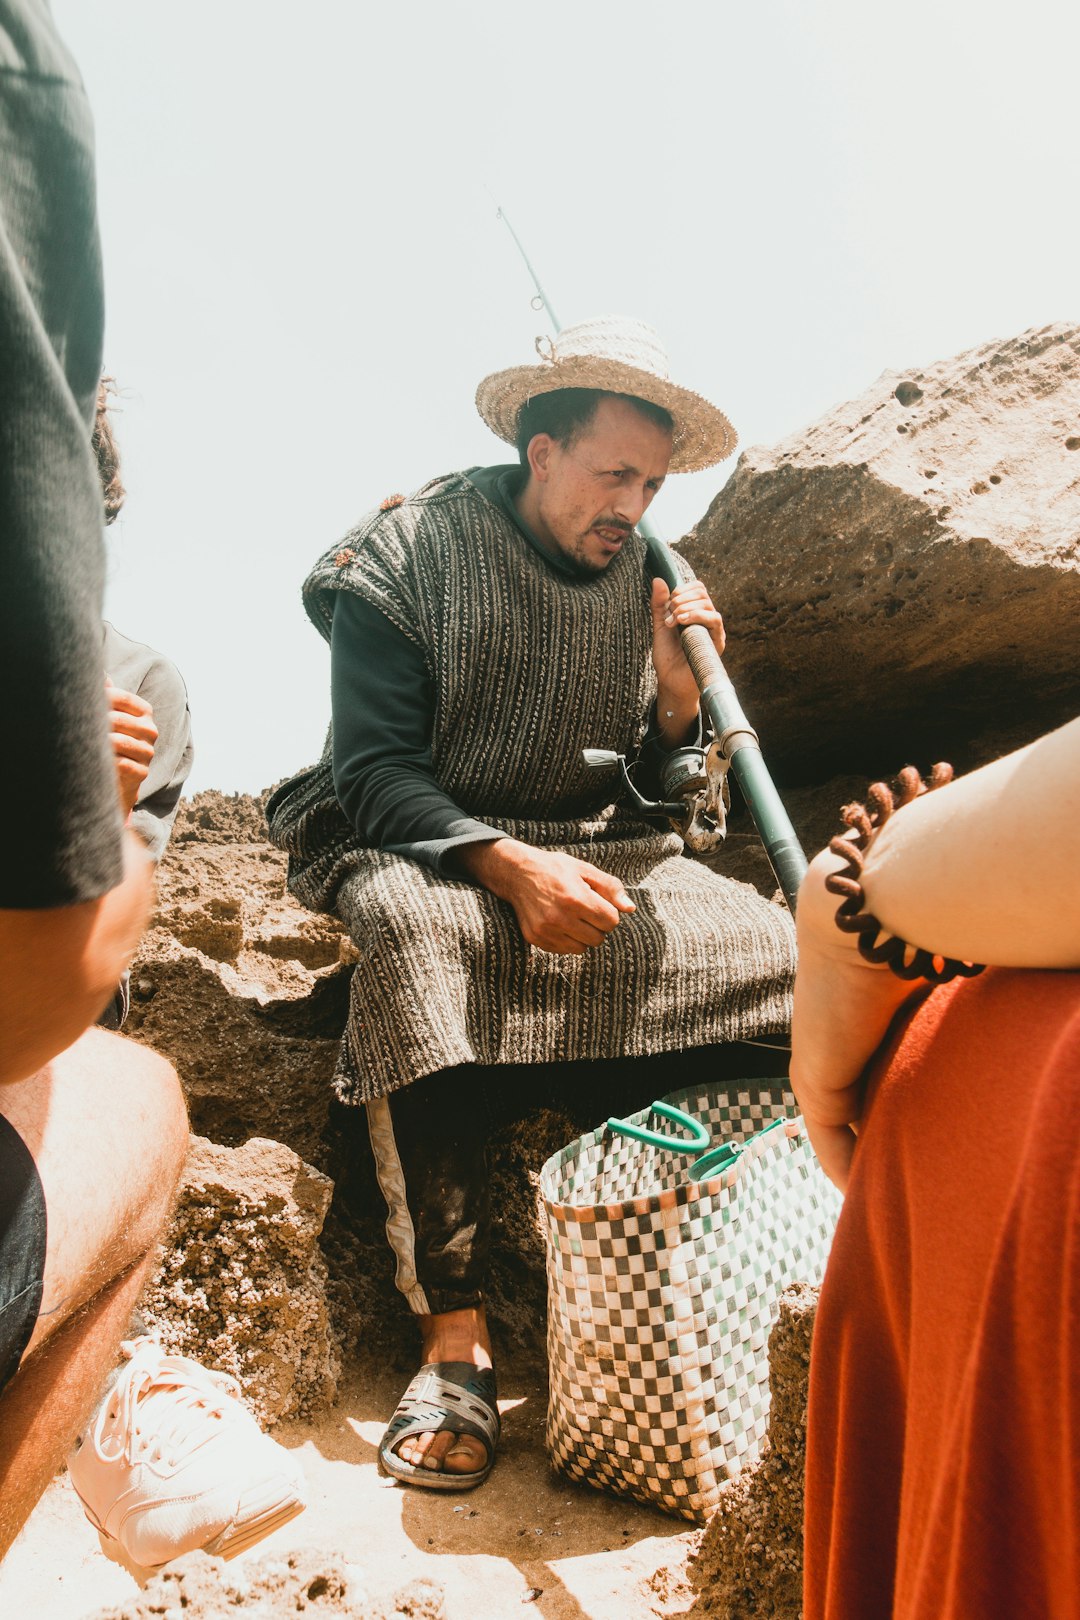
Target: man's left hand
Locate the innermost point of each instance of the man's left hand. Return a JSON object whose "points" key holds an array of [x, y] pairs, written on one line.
{"points": [[676, 688]]}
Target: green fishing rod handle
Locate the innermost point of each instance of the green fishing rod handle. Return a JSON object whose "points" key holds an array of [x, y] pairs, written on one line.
{"points": [[738, 743], [665, 564], [736, 736], [771, 820]]}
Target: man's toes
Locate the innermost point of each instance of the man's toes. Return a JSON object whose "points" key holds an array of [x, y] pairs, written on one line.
{"points": [[444, 1452], [467, 1455], [415, 1448], [435, 1456]]}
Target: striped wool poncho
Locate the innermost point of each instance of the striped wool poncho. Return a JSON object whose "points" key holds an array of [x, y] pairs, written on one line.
{"points": [[530, 666]]}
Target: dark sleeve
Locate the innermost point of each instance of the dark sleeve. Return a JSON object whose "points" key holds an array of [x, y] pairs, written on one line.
{"points": [[383, 702], [155, 809], [59, 813]]}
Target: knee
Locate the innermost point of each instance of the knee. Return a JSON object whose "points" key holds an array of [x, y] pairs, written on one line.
{"points": [[160, 1134], [146, 1133], [107, 1128]]}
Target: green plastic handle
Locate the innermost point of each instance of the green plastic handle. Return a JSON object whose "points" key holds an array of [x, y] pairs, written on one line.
{"points": [[698, 1138], [718, 1158], [722, 1157]]}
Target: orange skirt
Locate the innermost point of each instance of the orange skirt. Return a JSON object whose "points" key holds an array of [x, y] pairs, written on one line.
{"points": [[943, 1455]]}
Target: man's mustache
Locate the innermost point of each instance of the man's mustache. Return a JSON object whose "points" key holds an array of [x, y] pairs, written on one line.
{"points": [[614, 523]]}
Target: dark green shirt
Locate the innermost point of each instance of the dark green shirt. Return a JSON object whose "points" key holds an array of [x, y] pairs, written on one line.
{"points": [[59, 812]]}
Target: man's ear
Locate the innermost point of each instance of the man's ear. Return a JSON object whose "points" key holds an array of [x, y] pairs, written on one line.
{"points": [[539, 455]]}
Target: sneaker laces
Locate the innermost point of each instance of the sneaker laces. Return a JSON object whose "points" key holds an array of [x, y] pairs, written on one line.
{"points": [[162, 1408]]}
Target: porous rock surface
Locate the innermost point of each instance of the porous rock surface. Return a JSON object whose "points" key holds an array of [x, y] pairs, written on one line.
{"points": [[244, 990], [275, 1589], [242, 1284], [901, 580]]}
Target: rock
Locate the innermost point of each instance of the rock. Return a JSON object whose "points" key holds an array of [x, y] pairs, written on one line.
{"points": [[750, 1562], [901, 581], [242, 1284], [221, 818], [310, 1584], [239, 986]]}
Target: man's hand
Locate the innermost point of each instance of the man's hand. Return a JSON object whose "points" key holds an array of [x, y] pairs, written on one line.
{"points": [[133, 732], [676, 690], [561, 904]]}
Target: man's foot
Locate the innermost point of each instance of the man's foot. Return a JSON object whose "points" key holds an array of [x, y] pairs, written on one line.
{"points": [[455, 1340], [172, 1461]]}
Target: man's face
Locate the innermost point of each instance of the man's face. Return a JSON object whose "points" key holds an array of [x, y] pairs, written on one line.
{"points": [[587, 496]]}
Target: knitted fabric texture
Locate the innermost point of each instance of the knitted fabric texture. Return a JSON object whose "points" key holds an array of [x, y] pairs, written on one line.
{"points": [[530, 666]]}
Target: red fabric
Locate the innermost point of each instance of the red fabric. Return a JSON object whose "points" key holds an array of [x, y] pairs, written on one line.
{"points": [[943, 1455]]}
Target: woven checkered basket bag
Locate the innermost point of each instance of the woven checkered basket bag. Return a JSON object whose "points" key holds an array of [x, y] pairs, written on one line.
{"points": [[665, 1268]]}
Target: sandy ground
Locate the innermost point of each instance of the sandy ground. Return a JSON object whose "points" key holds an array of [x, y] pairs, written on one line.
{"points": [[526, 1543]]}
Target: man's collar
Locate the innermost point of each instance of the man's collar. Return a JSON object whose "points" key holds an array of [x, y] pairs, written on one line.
{"points": [[500, 485]]}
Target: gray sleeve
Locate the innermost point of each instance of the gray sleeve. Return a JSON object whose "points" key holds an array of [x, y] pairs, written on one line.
{"points": [[155, 809]]}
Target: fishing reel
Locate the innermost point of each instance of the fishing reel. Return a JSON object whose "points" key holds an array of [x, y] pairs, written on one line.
{"points": [[695, 788]]}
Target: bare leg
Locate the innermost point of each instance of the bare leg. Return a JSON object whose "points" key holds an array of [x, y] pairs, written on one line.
{"points": [[106, 1125], [47, 1402], [453, 1336]]}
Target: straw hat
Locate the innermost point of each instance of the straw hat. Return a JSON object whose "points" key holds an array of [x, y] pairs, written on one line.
{"points": [[622, 356]]}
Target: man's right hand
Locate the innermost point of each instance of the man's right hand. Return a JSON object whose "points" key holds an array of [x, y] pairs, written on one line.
{"points": [[561, 904]]}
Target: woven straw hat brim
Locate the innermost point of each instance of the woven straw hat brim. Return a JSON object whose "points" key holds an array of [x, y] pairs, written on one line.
{"points": [[703, 435]]}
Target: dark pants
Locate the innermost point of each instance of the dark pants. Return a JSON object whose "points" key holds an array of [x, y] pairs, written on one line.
{"points": [[23, 1229], [430, 1144]]}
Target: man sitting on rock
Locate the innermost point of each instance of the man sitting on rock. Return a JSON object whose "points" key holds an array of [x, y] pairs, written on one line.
{"points": [[511, 918]]}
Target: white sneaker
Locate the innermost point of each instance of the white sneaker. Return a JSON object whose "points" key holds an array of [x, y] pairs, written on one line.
{"points": [[172, 1461]]}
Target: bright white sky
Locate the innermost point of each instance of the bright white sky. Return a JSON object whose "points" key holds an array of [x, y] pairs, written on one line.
{"points": [[306, 278]]}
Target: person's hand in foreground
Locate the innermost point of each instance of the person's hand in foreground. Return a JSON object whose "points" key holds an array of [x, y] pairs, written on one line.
{"points": [[133, 734], [986, 869]]}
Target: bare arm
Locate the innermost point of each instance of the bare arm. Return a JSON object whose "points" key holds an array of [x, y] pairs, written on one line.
{"points": [[986, 869], [62, 964]]}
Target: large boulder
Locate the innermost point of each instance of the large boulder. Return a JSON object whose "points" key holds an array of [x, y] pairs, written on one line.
{"points": [[244, 990], [901, 580], [242, 1282]]}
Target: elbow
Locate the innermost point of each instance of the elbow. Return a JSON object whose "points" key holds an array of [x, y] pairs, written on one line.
{"points": [[62, 965], [116, 922]]}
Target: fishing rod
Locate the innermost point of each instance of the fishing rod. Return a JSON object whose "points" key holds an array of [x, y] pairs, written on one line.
{"points": [[736, 742]]}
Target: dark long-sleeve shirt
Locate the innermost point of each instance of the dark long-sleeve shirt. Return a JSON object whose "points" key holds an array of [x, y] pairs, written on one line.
{"points": [[383, 701]]}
